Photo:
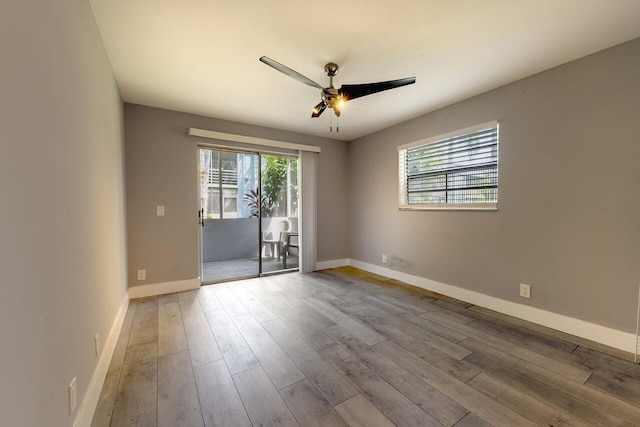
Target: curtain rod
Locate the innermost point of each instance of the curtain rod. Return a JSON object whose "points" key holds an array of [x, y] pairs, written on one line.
{"points": [[211, 134]]}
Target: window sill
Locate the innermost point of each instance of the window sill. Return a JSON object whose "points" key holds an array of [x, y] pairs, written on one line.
{"points": [[451, 207]]}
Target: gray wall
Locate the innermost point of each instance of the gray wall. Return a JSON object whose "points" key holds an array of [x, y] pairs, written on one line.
{"points": [[62, 213], [568, 222], [161, 168]]}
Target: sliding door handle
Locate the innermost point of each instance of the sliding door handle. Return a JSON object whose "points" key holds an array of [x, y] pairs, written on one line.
{"points": [[201, 217]]}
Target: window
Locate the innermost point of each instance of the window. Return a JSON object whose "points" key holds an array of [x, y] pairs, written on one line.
{"points": [[229, 181], [224, 175], [458, 170]]}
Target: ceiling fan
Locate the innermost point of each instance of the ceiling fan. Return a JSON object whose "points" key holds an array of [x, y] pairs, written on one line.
{"points": [[335, 98]]}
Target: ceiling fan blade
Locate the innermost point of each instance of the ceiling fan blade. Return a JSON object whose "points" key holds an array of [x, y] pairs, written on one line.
{"points": [[318, 109], [356, 91], [289, 72]]}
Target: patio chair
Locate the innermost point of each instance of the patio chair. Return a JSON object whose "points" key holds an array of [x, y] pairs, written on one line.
{"points": [[291, 243], [274, 237]]}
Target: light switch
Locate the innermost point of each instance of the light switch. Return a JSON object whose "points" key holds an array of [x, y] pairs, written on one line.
{"points": [[160, 210]]}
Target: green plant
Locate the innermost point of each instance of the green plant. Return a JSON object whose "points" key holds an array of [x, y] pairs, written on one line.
{"points": [[274, 185], [274, 178], [251, 199]]}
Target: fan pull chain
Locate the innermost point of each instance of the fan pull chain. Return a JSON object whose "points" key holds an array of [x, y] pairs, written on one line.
{"points": [[337, 123]]}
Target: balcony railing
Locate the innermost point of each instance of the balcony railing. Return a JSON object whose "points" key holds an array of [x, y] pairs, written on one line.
{"points": [[229, 177]]}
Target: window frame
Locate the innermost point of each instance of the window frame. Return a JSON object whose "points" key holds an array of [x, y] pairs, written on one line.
{"points": [[403, 202]]}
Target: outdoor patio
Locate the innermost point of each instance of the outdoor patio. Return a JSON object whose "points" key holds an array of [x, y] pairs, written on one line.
{"points": [[217, 271]]}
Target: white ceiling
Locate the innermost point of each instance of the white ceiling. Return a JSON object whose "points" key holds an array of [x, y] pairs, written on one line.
{"points": [[201, 56]]}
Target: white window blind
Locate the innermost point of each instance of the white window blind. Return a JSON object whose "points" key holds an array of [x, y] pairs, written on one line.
{"points": [[458, 170]]}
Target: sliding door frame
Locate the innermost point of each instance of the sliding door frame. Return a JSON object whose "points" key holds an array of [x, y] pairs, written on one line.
{"points": [[201, 226], [259, 153]]}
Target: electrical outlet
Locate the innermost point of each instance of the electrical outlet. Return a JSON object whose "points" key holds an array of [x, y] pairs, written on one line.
{"points": [[142, 274], [525, 290], [97, 344], [73, 399], [160, 210], [384, 259]]}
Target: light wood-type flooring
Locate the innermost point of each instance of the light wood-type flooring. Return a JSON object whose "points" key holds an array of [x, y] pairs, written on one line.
{"points": [[344, 347]]}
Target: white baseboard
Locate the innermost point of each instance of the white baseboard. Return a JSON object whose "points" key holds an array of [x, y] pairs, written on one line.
{"points": [[163, 288], [91, 397], [334, 263], [621, 340]]}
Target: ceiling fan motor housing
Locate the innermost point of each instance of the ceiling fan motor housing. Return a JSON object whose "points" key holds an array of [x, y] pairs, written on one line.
{"points": [[331, 97], [331, 69]]}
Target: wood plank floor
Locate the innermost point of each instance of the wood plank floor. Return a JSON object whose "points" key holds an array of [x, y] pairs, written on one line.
{"points": [[344, 347]]}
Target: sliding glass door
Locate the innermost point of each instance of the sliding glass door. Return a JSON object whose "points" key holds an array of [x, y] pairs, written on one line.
{"points": [[229, 226], [280, 238], [249, 210]]}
